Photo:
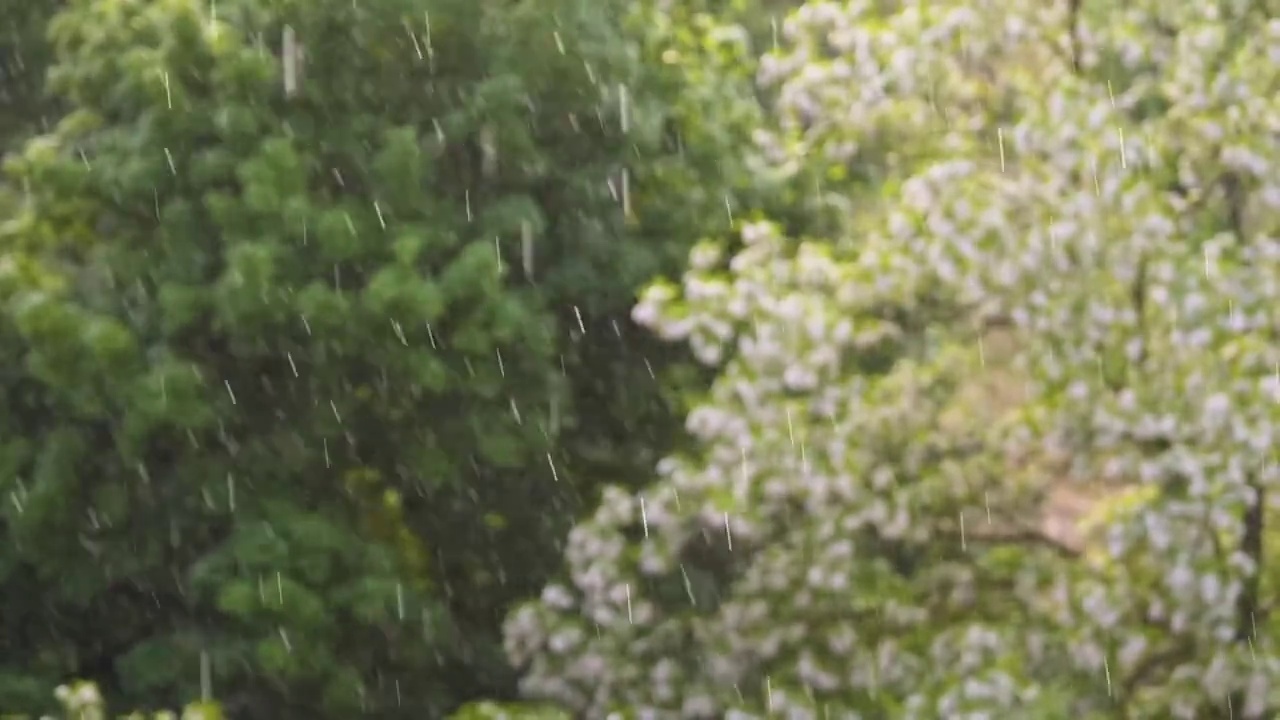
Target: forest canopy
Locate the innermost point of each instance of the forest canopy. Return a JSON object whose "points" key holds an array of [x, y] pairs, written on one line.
{"points": [[671, 359]]}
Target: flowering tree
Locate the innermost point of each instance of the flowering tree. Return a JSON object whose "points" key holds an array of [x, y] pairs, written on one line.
{"points": [[863, 531]]}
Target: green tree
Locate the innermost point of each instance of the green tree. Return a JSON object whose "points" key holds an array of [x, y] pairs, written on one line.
{"points": [[24, 57], [860, 531], [288, 338]]}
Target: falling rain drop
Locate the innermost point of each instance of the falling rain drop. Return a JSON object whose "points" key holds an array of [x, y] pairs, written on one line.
{"points": [[290, 53], [206, 677], [626, 193], [526, 248], [623, 113], [1000, 140]]}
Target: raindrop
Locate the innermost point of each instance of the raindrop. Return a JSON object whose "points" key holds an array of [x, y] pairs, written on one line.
{"points": [[626, 193], [417, 48], [206, 677], [688, 586], [623, 113], [1000, 140], [526, 248]]}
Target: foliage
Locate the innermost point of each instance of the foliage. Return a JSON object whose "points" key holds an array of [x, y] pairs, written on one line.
{"points": [[517, 711], [296, 381], [24, 57], [82, 701], [849, 537]]}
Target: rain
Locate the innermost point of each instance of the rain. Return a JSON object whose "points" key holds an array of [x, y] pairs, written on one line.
{"points": [[668, 360]]}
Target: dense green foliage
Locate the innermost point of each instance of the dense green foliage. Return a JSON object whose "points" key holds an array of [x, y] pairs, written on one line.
{"points": [[310, 381], [662, 359]]}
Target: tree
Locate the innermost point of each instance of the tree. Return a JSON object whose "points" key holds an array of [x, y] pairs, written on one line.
{"points": [[284, 355], [24, 57], [859, 532]]}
